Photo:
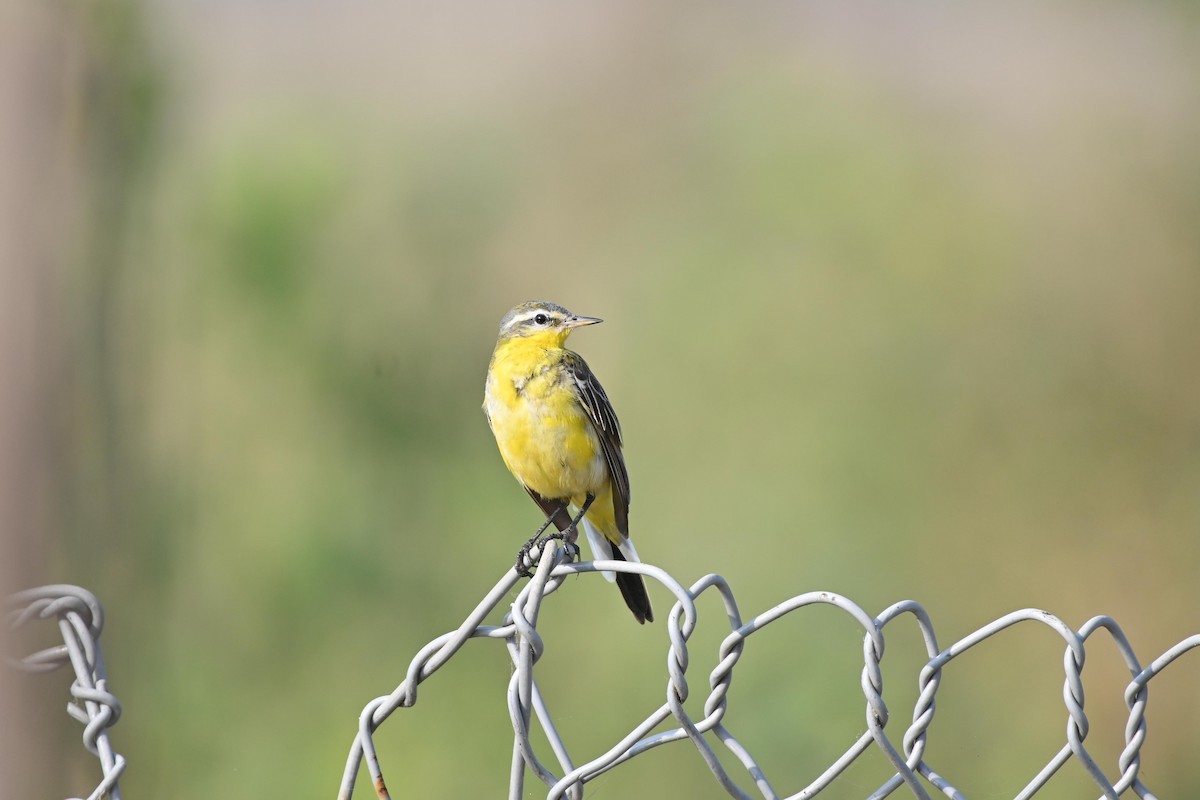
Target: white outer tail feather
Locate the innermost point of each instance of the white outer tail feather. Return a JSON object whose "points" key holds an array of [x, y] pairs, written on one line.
{"points": [[601, 551]]}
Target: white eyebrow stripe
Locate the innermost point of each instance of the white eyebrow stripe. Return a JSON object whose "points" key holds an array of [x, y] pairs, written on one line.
{"points": [[528, 315]]}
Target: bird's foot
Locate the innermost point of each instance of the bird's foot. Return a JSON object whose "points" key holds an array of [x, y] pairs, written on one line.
{"points": [[525, 563], [571, 534]]}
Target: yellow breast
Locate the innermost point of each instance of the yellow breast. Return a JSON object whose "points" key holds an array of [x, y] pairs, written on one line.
{"points": [[543, 432]]}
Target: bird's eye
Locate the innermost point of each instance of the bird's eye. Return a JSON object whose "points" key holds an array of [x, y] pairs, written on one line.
{"points": [[541, 319]]}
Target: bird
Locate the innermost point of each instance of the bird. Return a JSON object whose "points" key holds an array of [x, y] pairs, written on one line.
{"points": [[560, 438]]}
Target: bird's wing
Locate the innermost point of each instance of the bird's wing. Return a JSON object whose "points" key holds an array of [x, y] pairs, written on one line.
{"points": [[604, 419], [562, 519]]}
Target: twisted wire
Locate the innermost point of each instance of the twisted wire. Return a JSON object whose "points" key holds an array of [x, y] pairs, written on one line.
{"points": [[80, 619], [525, 645]]}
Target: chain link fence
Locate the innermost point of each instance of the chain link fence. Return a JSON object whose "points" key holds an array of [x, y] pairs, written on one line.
{"points": [[914, 775], [80, 618]]}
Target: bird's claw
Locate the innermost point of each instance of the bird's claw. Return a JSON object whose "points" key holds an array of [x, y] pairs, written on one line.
{"points": [[525, 564]]}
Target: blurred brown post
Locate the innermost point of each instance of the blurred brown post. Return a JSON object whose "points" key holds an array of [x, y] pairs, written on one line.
{"points": [[36, 217]]}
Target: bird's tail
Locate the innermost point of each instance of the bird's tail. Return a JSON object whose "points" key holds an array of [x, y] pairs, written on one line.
{"points": [[633, 588]]}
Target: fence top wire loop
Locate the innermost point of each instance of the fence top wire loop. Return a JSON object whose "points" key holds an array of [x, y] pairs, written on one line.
{"points": [[526, 645], [80, 619]]}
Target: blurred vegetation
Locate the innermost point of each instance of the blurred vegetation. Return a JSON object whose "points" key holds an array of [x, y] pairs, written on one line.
{"points": [[898, 308]]}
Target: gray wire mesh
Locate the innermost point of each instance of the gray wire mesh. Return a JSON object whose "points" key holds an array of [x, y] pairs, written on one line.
{"points": [[80, 619], [520, 636]]}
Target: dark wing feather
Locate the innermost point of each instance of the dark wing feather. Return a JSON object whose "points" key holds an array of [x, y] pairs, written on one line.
{"points": [[604, 419], [562, 520]]}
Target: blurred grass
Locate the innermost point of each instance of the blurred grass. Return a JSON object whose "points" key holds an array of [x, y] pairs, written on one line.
{"points": [[868, 330]]}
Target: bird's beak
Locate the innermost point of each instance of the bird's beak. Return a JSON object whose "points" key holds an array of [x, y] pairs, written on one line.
{"points": [[576, 321]]}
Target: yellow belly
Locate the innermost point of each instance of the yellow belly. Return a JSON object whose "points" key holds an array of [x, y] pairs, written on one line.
{"points": [[549, 445], [544, 434]]}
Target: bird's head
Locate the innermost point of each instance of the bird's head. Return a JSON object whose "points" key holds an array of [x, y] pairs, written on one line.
{"points": [[546, 323]]}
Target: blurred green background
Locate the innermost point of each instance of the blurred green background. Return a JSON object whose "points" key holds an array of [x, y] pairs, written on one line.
{"points": [[900, 301]]}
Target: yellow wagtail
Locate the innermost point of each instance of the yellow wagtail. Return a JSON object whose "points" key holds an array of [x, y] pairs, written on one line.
{"points": [[560, 438]]}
